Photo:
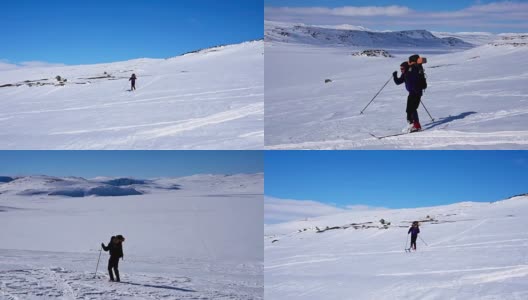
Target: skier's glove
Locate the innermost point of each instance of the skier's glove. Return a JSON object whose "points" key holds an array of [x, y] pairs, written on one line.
{"points": [[394, 74], [102, 245]]}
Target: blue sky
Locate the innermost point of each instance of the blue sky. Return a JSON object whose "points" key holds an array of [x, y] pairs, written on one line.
{"points": [[395, 179], [139, 164], [83, 32], [453, 16]]}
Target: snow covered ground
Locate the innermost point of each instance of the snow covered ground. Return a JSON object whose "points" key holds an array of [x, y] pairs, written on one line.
{"points": [[197, 237], [477, 92], [474, 251], [212, 99]]}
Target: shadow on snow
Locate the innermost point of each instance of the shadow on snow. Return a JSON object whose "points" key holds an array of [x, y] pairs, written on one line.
{"points": [[449, 119], [160, 287]]}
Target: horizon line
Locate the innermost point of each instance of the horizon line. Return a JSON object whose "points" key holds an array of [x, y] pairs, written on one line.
{"points": [[385, 30], [60, 64]]}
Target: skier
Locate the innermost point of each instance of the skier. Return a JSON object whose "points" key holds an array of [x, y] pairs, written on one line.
{"points": [[414, 230], [132, 82], [412, 73], [115, 246]]}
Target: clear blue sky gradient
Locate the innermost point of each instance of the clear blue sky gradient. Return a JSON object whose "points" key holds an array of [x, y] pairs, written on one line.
{"points": [[139, 164], [395, 179], [83, 32]]}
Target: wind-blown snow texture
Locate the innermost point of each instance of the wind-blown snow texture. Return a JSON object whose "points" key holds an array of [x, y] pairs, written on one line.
{"points": [[211, 99], [197, 237], [474, 251], [476, 89]]}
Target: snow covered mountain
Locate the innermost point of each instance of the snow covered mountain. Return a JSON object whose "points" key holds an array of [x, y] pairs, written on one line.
{"points": [[191, 237], [477, 96], [360, 38], [207, 99], [475, 38], [108, 186], [468, 250]]}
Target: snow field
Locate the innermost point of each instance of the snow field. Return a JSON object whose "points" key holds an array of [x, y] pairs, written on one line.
{"points": [[467, 251]]}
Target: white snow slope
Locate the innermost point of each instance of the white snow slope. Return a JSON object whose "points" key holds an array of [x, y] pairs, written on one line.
{"points": [[474, 251], [197, 237], [476, 94], [211, 99]]}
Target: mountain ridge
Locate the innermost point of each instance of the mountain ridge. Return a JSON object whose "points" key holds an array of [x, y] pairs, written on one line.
{"points": [[312, 34], [69, 186]]}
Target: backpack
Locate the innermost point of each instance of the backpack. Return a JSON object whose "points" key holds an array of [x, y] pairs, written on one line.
{"points": [[422, 78]]}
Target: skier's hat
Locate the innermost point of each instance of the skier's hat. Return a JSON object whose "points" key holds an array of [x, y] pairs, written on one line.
{"points": [[417, 59], [120, 237]]}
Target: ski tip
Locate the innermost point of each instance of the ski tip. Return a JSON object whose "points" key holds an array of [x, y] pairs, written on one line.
{"points": [[374, 136]]}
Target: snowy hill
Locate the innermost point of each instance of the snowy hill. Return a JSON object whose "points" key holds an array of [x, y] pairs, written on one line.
{"points": [[477, 96], [105, 186], [191, 237], [475, 38], [359, 38], [467, 250], [208, 99]]}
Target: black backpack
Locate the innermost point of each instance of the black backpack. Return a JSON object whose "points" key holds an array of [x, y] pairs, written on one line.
{"points": [[422, 78], [422, 81]]}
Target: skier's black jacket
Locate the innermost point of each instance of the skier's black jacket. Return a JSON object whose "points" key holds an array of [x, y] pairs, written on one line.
{"points": [[116, 250], [414, 231]]}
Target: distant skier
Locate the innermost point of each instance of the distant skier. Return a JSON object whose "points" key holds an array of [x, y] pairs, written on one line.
{"points": [[132, 82], [414, 231], [115, 246], [412, 73]]}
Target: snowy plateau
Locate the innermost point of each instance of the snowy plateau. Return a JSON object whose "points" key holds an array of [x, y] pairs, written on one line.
{"points": [[468, 250], [195, 237], [207, 99], [318, 80]]}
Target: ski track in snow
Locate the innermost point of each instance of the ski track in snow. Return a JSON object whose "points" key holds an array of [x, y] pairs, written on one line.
{"points": [[460, 234], [184, 125], [454, 271], [253, 109], [56, 282], [144, 100], [429, 139]]}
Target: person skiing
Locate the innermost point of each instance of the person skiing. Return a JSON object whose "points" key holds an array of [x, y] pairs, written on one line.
{"points": [[412, 73], [414, 230], [115, 246], [132, 82]]}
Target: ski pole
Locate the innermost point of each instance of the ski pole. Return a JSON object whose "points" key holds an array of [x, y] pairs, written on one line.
{"points": [[97, 267], [423, 240], [423, 104], [376, 95], [406, 242]]}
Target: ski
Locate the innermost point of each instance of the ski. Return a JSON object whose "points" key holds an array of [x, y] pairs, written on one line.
{"points": [[391, 135], [399, 133]]}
